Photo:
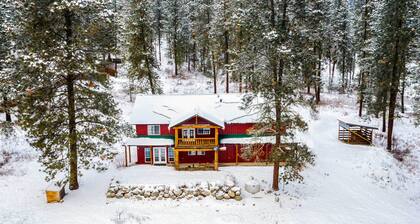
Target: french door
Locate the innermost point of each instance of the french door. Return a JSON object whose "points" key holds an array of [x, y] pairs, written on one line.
{"points": [[188, 133], [159, 155]]}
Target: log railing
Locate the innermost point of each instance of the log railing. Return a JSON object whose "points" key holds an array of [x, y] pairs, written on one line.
{"points": [[196, 142]]}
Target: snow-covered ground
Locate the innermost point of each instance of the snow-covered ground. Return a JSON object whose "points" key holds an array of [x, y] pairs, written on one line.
{"points": [[347, 184]]}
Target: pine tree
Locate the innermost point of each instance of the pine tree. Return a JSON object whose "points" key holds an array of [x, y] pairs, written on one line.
{"points": [[395, 31], [223, 32], [275, 81], [341, 28], [141, 52], [364, 35], [66, 107], [176, 27], [7, 66]]}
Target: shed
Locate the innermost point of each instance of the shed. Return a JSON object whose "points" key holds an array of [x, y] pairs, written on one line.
{"points": [[355, 133]]}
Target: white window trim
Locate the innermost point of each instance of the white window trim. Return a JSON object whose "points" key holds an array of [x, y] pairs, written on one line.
{"points": [[192, 153], [201, 153], [171, 159], [203, 131], [150, 129], [150, 155]]}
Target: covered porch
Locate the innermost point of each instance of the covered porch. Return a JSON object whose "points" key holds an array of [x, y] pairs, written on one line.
{"points": [[212, 154]]}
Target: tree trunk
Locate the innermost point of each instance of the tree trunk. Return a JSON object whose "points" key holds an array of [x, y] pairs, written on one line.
{"points": [[384, 120], [318, 78], [214, 73], [226, 49], [7, 109], [403, 85], [395, 82], [71, 108]]}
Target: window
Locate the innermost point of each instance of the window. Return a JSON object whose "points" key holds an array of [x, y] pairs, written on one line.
{"points": [[188, 133], [153, 129], [198, 153], [201, 153], [203, 131], [191, 153], [171, 155], [147, 155]]}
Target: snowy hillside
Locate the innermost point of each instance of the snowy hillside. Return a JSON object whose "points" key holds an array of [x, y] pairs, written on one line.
{"points": [[348, 184]]}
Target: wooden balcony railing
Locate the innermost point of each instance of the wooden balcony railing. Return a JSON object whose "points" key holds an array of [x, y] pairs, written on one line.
{"points": [[196, 142]]}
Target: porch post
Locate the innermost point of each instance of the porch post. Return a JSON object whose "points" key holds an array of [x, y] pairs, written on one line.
{"points": [[125, 156], [216, 160], [236, 154], [176, 159], [129, 154]]}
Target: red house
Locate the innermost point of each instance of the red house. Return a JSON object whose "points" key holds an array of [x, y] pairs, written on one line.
{"points": [[193, 130]]}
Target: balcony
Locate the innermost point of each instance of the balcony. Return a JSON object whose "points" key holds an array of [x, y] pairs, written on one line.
{"points": [[196, 142]]}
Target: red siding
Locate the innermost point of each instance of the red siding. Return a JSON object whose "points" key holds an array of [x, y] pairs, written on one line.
{"points": [[207, 158], [236, 128], [226, 156], [141, 129]]}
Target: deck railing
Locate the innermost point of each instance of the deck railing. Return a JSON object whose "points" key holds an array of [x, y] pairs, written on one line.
{"points": [[196, 142]]}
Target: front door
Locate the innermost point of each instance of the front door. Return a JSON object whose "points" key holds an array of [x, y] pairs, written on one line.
{"points": [[159, 155]]}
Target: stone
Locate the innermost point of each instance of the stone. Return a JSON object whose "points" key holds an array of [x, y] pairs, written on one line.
{"points": [[119, 195], [153, 198], [166, 195], [155, 193], [219, 195], [127, 195], [238, 193], [189, 197], [160, 198], [231, 194], [277, 199], [226, 196], [147, 194], [238, 198], [177, 192], [236, 189], [205, 193], [110, 195]]}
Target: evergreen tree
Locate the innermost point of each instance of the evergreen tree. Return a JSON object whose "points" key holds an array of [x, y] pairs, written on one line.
{"points": [[364, 35], [275, 81], [176, 25], [67, 109], [341, 27], [141, 52], [395, 30], [7, 66]]}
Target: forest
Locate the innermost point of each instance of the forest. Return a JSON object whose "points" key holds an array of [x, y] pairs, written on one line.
{"points": [[54, 56]]}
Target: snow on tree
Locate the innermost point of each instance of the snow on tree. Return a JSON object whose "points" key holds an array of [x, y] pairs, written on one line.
{"points": [[140, 48], [275, 80], [394, 31], [7, 65], [66, 107]]}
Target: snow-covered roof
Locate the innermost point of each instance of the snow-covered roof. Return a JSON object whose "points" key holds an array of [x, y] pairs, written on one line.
{"points": [[196, 112], [170, 109], [249, 140], [145, 141]]}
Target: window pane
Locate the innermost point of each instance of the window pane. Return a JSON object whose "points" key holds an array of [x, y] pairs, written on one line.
{"points": [[156, 154], [147, 154], [171, 152]]}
